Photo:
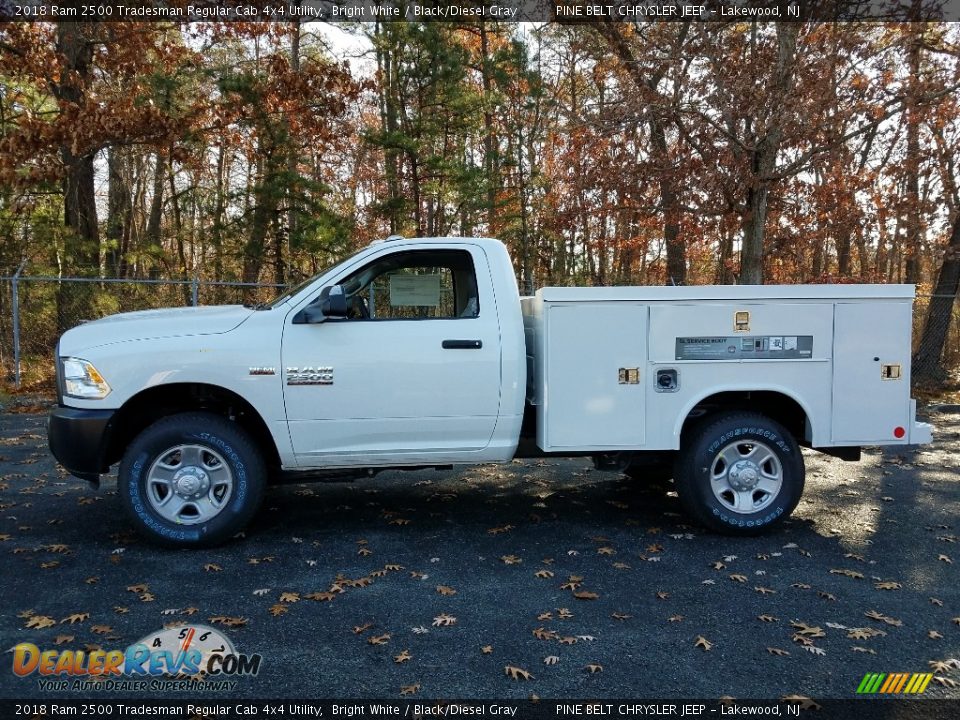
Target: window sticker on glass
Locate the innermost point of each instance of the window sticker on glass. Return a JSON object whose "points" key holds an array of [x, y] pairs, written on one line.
{"points": [[418, 290]]}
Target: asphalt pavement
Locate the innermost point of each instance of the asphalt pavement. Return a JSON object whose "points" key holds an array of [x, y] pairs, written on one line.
{"points": [[537, 578]]}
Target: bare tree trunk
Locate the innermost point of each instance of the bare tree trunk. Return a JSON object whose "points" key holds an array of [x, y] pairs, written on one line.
{"points": [[388, 68], [489, 151], [928, 360], [764, 160], [670, 204], [152, 235], [912, 223], [669, 194], [216, 231], [293, 187], [82, 242], [118, 211], [264, 208]]}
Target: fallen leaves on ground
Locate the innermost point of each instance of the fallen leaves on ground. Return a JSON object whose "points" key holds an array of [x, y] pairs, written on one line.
{"points": [[517, 673], [848, 573], [875, 615], [541, 633], [808, 630], [229, 621], [888, 585], [943, 666], [40, 622], [863, 633]]}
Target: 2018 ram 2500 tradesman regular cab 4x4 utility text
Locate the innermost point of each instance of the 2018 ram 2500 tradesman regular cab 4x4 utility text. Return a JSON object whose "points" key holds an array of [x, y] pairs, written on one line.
{"points": [[420, 352]]}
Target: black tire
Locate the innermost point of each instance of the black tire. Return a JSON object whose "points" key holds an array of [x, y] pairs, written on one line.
{"points": [[709, 487], [222, 444]]}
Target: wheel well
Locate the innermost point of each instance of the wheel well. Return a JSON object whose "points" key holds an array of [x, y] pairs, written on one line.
{"points": [[148, 406], [775, 405]]}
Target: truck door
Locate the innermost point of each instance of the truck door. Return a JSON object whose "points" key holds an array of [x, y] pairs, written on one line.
{"points": [[871, 371], [412, 375]]}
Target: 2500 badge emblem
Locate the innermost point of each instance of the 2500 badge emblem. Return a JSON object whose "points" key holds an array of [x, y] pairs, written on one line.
{"points": [[310, 376]]}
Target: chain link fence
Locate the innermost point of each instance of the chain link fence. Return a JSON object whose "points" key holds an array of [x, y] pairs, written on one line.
{"points": [[36, 310], [931, 369]]}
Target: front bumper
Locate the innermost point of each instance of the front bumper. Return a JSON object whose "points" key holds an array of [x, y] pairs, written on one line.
{"points": [[78, 440]]}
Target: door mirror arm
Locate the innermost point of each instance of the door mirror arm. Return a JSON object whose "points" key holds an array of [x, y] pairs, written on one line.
{"points": [[331, 305]]}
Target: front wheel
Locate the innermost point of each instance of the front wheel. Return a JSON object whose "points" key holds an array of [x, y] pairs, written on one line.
{"points": [[191, 480], [739, 473]]}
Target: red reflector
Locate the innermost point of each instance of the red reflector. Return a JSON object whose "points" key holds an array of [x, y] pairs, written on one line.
{"points": [[899, 432]]}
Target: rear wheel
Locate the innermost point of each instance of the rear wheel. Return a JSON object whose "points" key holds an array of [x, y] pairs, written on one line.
{"points": [[191, 480], [739, 473]]}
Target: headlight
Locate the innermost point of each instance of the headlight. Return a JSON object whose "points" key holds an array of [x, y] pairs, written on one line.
{"points": [[82, 380]]}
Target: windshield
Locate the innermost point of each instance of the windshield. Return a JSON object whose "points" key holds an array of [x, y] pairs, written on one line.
{"points": [[291, 291]]}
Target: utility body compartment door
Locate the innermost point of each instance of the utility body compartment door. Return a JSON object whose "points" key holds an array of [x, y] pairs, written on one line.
{"points": [[595, 357], [871, 371]]}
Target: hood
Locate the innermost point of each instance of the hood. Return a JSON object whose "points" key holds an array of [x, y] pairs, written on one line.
{"points": [[153, 324]]}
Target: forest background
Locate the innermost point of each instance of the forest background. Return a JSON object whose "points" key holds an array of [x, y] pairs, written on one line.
{"points": [[602, 154]]}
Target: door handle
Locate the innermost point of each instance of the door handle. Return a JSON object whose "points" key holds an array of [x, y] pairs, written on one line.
{"points": [[462, 344]]}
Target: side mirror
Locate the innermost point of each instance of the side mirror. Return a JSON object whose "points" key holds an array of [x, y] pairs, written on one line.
{"points": [[331, 305]]}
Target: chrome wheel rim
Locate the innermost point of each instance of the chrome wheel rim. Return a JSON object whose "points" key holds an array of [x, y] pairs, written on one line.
{"points": [[189, 484], [746, 476]]}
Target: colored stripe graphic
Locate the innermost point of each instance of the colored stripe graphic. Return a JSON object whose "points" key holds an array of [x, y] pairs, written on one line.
{"points": [[894, 683], [888, 683], [870, 683]]}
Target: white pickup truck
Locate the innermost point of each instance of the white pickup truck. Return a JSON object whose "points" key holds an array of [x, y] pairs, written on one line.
{"points": [[419, 353]]}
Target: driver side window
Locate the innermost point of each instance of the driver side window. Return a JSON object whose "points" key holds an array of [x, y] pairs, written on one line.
{"points": [[414, 285]]}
